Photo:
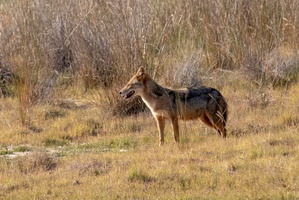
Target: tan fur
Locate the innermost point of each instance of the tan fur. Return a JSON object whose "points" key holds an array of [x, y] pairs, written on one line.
{"points": [[204, 103]]}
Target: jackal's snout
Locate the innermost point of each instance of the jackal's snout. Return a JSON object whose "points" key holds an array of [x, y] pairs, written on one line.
{"points": [[126, 94]]}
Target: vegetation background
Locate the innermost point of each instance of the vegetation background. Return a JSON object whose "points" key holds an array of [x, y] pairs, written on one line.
{"points": [[66, 134]]}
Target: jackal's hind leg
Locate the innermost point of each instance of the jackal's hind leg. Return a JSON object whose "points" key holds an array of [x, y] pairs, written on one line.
{"points": [[219, 125], [215, 122], [204, 118], [219, 122], [175, 126], [222, 130]]}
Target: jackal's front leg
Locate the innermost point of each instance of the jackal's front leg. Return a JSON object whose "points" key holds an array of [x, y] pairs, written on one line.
{"points": [[161, 126], [175, 126]]}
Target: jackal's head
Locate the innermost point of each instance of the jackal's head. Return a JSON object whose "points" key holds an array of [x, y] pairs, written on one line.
{"points": [[135, 86]]}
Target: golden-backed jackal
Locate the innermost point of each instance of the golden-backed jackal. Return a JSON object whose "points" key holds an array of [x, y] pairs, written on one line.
{"points": [[204, 103]]}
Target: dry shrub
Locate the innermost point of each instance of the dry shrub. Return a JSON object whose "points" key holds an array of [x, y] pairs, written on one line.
{"points": [[37, 161], [9, 82], [92, 128], [139, 175], [281, 67], [54, 114], [186, 72], [93, 168], [289, 119], [129, 107], [259, 98], [252, 65]]}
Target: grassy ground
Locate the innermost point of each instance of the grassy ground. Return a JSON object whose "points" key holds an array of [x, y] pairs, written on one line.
{"points": [[75, 150]]}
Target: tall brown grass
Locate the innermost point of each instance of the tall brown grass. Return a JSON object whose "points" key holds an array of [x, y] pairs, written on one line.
{"points": [[99, 43]]}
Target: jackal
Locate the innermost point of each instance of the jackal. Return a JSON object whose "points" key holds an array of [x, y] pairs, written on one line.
{"points": [[204, 103]]}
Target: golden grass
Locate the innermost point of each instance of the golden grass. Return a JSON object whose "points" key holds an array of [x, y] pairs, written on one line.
{"points": [[235, 168], [85, 153]]}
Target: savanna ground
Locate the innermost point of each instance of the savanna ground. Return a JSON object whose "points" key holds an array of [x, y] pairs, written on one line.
{"points": [[65, 133]]}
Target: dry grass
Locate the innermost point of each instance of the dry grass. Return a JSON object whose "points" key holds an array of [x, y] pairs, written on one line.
{"points": [[86, 153], [249, 167], [65, 133]]}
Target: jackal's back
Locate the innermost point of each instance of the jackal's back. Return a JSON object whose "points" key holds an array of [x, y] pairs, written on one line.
{"points": [[200, 99]]}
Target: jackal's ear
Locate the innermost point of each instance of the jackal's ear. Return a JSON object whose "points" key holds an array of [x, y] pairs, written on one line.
{"points": [[140, 73], [140, 70]]}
